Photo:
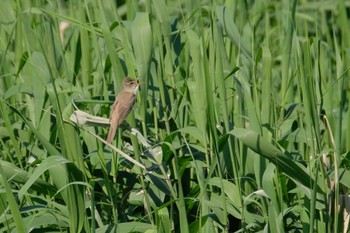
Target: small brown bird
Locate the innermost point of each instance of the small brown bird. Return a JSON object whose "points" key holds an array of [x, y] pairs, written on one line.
{"points": [[122, 105]]}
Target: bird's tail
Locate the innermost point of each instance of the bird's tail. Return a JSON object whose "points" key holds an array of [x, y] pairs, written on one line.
{"points": [[111, 134]]}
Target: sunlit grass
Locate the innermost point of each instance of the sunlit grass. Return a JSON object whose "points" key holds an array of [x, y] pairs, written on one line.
{"points": [[245, 109]]}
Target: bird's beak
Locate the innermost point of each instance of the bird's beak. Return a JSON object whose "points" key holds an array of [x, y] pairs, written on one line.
{"points": [[140, 83]]}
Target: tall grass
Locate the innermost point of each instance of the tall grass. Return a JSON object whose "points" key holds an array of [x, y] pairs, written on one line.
{"points": [[245, 109]]}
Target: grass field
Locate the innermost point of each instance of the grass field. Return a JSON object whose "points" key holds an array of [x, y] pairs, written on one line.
{"points": [[242, 124]]}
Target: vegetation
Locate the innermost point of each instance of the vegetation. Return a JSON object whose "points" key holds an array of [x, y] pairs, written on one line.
{"points": [[245, 108]]}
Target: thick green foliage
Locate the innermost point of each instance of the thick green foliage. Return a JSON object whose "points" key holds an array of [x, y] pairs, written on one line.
{"points": [[245, 108]]}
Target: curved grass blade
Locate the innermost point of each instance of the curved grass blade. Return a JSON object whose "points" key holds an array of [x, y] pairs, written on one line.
{"points": [[15, 213], [48, 146], [21, 176], [264, 148]]}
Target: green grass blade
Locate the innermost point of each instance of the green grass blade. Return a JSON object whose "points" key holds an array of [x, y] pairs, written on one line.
{"points": [[12, 204], [264, 148]]}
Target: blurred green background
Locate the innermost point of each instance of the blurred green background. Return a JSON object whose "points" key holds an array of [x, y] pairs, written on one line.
{"points": [[245, 109]]}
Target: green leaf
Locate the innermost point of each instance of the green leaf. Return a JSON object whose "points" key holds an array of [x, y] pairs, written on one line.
{"points": [[12, 204], [264, 148], [47, 164], [18, 175], [142, 42], [49, 147], [125, 227]]}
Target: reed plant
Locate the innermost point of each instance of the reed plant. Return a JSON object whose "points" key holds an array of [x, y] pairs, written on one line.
{"points": [[242, 124]]}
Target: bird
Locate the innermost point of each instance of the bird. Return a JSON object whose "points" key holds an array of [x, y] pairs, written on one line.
{"points": [[122, 105]]}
